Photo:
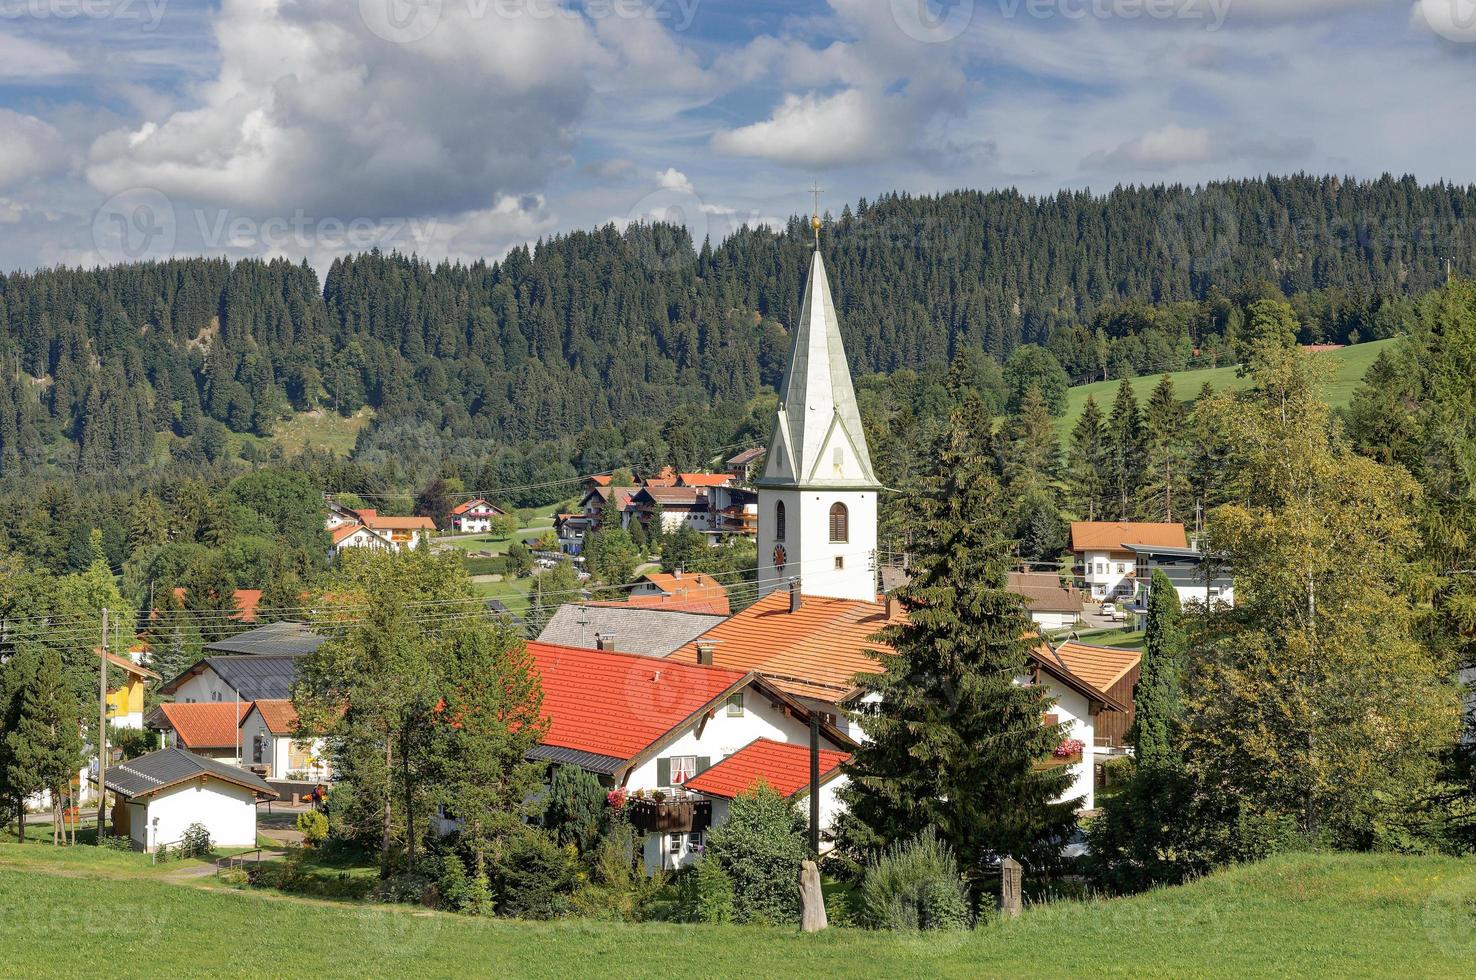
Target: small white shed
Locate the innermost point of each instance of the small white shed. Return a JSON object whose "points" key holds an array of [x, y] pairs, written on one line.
{"points": [[160, 794]]}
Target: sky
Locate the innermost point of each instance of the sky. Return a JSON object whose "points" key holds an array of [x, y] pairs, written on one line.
{"points": [[133, 129]]}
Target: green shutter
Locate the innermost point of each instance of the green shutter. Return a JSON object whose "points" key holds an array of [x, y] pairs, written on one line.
{"points": [[703, 762], [663, 772]]}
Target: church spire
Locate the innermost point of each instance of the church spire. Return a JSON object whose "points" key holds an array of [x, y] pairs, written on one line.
{"points": [[818, 439]]}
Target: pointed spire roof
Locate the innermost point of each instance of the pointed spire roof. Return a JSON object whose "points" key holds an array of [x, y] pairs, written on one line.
{"points": [[818, 439]]}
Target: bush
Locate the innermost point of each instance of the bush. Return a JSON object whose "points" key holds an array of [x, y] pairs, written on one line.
{"points": [[618, 890], [115, 843], [915, 885], [463, 892], [761, 848], [408, 888], [707, 894], [575, 808], [313, 827], [196, 842], [535, 877], [233, 877]]}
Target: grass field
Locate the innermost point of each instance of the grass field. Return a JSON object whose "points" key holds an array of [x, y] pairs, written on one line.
{"points": [[1349, 366], [1296, 915], [540, 521]]}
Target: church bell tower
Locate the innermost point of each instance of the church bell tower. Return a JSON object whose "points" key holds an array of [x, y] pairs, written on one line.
{"points": [[817, 499]]}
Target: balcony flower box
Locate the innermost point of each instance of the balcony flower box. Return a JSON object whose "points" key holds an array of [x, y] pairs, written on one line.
{"points": [[678, 816]]}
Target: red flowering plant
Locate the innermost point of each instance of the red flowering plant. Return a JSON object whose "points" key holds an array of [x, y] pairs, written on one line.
{"points": [[616, 798], [1069, 748]]}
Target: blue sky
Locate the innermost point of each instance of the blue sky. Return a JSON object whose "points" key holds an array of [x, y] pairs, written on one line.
{"points": [[308, 128]]}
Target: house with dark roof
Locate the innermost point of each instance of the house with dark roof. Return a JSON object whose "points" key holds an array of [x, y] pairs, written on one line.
{"points": [[243, 677], [630, 627], [1052, 606], [281, 639], [161, 794], [745, 464], [646, 727]]}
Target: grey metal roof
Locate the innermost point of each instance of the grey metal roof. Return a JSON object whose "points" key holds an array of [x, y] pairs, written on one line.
{"points": [[606, 765], [1168, 552], [258, 677], [633, 629], [152, 772], [273, 638]]}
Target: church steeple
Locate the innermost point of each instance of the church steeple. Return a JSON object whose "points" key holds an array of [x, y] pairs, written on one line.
{"points": [[818, 439], [817, 497]]}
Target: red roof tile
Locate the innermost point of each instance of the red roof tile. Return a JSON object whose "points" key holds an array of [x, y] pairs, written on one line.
{"points": [[786, 768], [207, 724], [704, 479], [280, 716], [1102, 666], [815, 652], [616, 704]]}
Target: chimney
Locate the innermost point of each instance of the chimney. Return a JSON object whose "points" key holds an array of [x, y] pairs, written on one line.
{"points": [[677, 572], [604, 641], [891, 606], [704, 652], [794, 597]]}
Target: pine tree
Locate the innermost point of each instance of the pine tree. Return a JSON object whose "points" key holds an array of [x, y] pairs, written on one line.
{"points": [[17, 675], [1156, 706], [1124, 452], [1087, 463], [1031, 451], [46, 745], [1165, 483], [952, 739]]}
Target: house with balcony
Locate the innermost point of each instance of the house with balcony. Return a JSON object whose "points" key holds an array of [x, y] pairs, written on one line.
{"points": [[1197, 576], [1106, 564], [647, 727], [367, 528], [274, 750], [475, 516]]}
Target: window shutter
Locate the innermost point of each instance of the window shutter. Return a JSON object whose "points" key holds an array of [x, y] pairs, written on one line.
{"points": [[663, 772], [703, 762]]}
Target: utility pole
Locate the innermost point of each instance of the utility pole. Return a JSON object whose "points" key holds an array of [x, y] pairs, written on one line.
{"points": [[102, 729]]}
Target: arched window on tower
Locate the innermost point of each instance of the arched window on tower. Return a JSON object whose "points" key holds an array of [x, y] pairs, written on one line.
{"points": [[840, 524], [779, 521]]}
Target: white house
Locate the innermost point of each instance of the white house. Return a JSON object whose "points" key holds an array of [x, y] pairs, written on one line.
{"points": [[161, 794], [1196, 575], [647, 727], [785, 768], [270, 746], [1052, 606], [474, 516], [1107, 566], [366, 528]]}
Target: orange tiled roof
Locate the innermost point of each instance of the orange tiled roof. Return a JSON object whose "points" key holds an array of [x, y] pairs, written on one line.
{"points": [[380, 522], [345, 531], [1101, 536], [815, 652], [616, 704], [706, 604], [1101, 666], [690, 588], [247, 600], [786, 768], [207, 724], [704, 479], [279, 715], [465, 506]]}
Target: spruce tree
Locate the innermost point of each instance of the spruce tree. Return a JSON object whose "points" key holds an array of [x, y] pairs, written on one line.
{"points": [[46, 745], [1164, 480], [1087, 463], [1156, 700], [1031, 451], [1124, 452], [953, 740]]}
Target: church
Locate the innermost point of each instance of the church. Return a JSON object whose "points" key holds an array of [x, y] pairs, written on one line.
{"points": [[811, 631]]}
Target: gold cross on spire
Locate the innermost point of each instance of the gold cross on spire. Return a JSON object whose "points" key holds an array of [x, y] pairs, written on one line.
{"points": [[817, 190]]}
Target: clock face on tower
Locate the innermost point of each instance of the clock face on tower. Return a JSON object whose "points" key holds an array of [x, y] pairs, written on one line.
{"points": [[780, 555]]}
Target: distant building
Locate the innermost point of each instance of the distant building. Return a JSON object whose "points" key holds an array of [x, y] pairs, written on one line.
{"points": [[160, 795], [744, 465], [271, 747], [367, 528], [1196, 575], [1106, 564], [1052, 606], [210, 728], [475, 516], [630, 627], [126, 703]]}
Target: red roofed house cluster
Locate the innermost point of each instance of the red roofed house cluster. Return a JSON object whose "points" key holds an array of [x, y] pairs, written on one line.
{"points": [[350, 527]]}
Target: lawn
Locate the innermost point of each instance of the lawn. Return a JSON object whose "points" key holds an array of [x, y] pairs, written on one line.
{"points": [[541, 520], [1295, 915], [1349, 366], [1125, 638]]}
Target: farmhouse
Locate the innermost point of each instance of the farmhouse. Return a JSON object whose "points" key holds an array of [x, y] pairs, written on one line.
{"points": [[475, 516], [1106, 564], [646, 727], [367, 528], [161, 794]]}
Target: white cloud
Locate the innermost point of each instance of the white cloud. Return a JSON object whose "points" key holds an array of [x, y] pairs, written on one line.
{"points": [[812, 131], [673, 179], [31, 148], [22, 58]]}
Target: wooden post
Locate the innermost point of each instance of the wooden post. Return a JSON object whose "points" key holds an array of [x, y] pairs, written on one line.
{"points": [[1009, 888], [814, 784], [102, 730], [812, 899]]}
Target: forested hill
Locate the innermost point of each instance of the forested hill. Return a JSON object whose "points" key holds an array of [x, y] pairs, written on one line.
{"points": [[601, 327]]}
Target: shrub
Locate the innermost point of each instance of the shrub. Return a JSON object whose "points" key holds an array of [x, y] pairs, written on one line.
{"points": [[463, 892], [618, 890], [408, 888], [708, 893], [535, 877], [115, 843], [233, 877], [761, 848], [196, 841], [915, 885], [575, 808], [313, 827]]}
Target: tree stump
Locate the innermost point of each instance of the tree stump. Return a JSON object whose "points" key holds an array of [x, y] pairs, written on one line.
{"points": [[812, 898], [1009, 888]]}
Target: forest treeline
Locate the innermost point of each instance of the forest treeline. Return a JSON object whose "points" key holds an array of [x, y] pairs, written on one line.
{"points": [[611, 329]]}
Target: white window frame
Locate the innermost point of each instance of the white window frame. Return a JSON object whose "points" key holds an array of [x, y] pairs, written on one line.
{"points": [[735, 705], [675, 848], [685, 772]]}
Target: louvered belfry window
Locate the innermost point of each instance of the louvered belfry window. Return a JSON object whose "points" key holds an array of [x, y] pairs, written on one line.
{"points": [[779, 521], [840, 524]]}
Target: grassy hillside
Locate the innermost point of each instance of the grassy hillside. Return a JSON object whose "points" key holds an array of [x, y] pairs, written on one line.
{"points": [[1298, 915], [1349, 366]]}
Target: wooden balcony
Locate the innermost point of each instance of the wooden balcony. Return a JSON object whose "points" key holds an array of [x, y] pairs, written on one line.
{"points": [[682, 816]]}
